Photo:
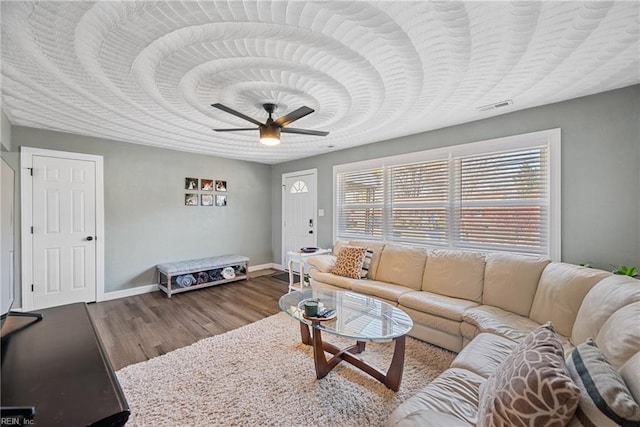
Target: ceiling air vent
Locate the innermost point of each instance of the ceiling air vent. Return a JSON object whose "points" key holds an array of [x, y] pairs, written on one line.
{"points": [[496, 105]]}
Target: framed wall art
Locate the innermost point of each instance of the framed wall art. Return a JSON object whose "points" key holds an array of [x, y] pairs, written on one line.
{"points": [[191, 199], [221, 185], [206, 184], [191, 183], [221, 200], [206, 199]]}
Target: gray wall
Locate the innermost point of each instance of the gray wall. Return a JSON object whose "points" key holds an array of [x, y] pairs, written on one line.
{"points": [[600, 172], [5, 131], [13, 161], [146, 221]]}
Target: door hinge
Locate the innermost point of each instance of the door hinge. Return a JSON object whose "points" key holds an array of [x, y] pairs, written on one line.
{"points": [[32, 229], [32, 287]]}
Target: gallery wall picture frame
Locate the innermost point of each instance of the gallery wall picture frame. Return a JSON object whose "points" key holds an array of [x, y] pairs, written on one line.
{"points": [[206, 200], [221, 200], [206, 184], [191, 199], [221, 185], [191, 183]]}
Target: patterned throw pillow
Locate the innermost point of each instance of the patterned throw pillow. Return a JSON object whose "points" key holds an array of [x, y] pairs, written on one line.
{"points": [[368, 256], [605, 399], [531, 387], [349, 262]]}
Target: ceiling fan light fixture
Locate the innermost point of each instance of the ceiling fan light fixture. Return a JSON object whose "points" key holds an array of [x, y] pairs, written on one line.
{"points": [[271, 129], [270, 135]]}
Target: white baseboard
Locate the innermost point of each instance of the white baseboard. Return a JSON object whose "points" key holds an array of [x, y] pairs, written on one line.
{"points": [[264, 266], [138, 290]]}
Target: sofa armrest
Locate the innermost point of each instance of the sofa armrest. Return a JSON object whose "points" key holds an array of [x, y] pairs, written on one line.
{"points": [[321, 263]]}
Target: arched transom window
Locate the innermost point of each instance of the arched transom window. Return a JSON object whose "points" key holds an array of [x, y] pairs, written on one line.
{"points": [[299, 187]]}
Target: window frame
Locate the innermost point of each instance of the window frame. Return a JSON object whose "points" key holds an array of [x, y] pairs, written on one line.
{"points": [[550, 137]]}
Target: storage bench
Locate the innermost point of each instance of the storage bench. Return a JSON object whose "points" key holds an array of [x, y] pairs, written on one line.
{"points": [[176, 277]]}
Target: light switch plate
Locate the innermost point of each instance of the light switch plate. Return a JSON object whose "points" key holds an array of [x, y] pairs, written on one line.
{"points": [[320, 212]]}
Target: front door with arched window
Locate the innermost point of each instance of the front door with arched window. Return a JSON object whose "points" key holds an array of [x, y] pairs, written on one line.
{"points": [[299, 203]]}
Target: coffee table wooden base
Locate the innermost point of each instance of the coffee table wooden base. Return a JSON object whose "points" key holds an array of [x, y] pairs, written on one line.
{"points": [[391, 379]]}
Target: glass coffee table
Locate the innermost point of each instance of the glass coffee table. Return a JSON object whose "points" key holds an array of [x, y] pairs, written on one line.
{"points": [[360, 317]]}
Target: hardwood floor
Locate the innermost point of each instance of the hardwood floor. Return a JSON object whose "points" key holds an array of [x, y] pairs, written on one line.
{"points": [[138, 328]]}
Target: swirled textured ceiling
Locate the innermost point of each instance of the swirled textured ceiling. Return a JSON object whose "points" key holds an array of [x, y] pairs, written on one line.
{"points": [[147, 72]]}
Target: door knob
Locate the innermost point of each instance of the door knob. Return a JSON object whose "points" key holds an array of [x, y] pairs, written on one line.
{"points": [[89, 238]]}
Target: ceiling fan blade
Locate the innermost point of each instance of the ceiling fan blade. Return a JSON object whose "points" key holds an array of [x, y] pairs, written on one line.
{"points": [[233, 130], [293, 116], [304, 131], [236, 113]]}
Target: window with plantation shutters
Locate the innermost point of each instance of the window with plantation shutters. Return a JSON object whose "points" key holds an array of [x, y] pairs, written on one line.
{"points": [[498, 195]]}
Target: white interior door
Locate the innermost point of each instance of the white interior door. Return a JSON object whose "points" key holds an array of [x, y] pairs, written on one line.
{"points": [[299, 212], [64, 231]]}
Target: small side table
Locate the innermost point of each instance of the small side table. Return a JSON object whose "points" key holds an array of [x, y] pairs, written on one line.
{"points": [[300, 257]]}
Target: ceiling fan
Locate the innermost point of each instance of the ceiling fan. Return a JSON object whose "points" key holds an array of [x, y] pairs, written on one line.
{"points": [[270, 130]]}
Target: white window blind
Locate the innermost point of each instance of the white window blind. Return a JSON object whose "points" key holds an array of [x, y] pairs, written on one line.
{"points": [[503, 201], [418, 200], [493, 195], [360, 203]]}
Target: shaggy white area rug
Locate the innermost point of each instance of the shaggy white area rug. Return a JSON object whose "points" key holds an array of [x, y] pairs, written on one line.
{"points": [[262, 375]]}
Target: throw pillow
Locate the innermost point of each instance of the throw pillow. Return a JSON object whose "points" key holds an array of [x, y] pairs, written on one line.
{"points": [[531, 386], [349, 262], [605, 400], [368, 256]]}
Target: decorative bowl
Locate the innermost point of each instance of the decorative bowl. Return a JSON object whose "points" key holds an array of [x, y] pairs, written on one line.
{"points": [[308, 249]]}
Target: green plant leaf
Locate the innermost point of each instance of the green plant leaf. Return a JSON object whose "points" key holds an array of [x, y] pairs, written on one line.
{"points": [[624, 270]]}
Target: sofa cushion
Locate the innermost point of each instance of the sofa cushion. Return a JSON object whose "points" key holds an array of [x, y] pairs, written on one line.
{"points": [[560, 293], [605, 400], [375, 259], [402, 266], [531, 387], [333, 280], [427, 302], [483, 355], [451, 327], [501, 322], [629, 372], [455, 274], [426, 418], [510, 281], [339, 245], [454, 392], [320, 285], [380, 289], [606, 297], [349, 262], [366, 263], [619, 337], [469, 331], [321, 263]]}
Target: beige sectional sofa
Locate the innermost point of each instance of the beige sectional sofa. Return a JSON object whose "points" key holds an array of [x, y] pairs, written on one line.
{"points": [[482, 305]]}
